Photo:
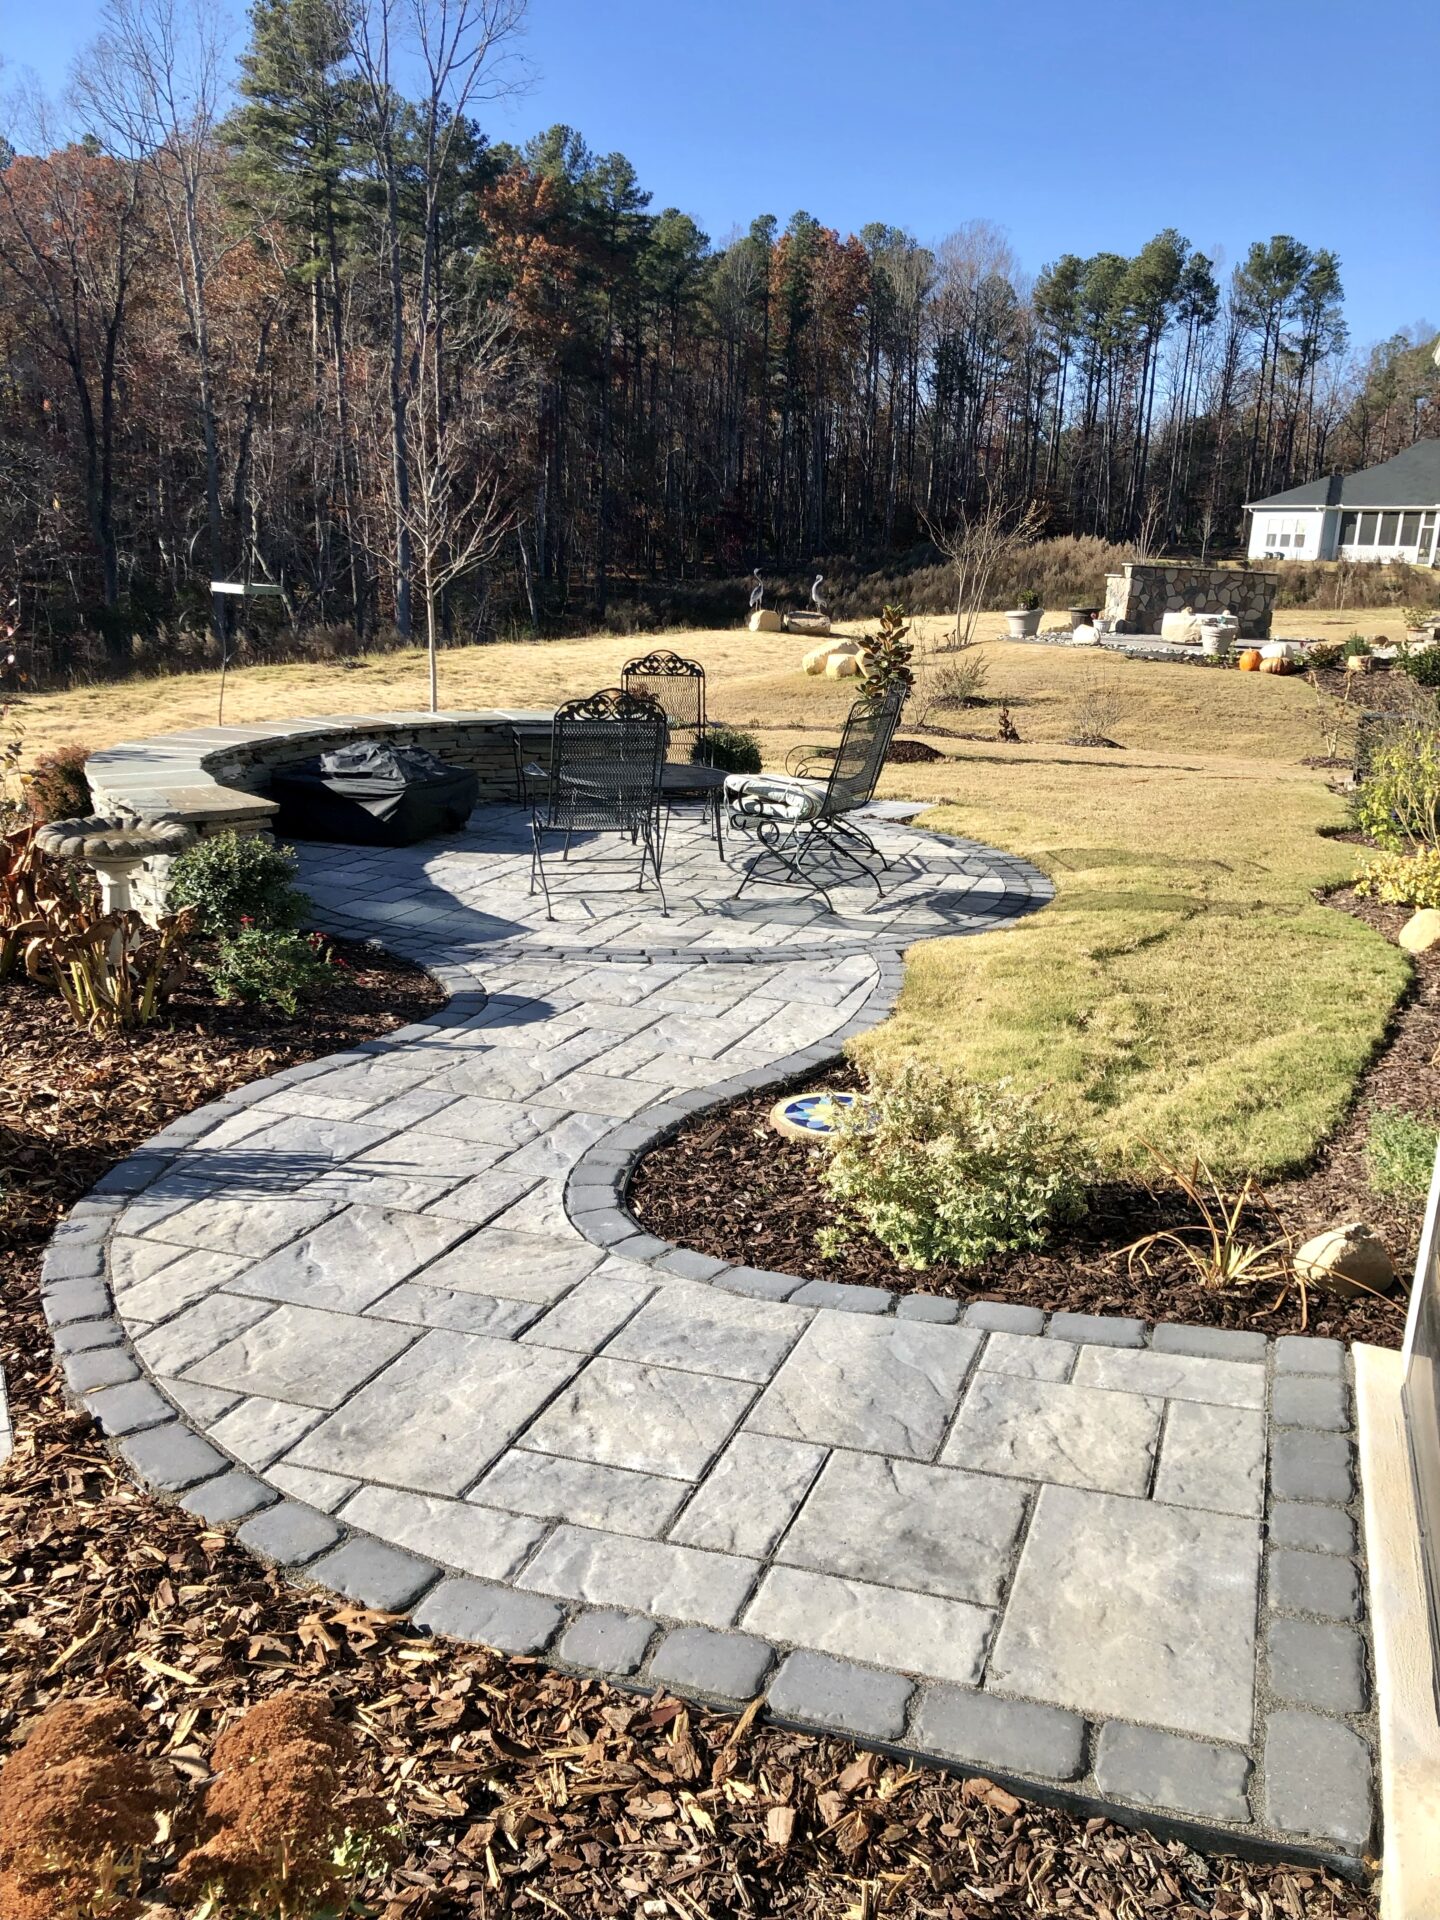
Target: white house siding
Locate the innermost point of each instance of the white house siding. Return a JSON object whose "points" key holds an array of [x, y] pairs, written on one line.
{"points": [[1296, 534]]}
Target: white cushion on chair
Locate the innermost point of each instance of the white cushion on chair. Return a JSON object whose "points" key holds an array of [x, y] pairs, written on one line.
{"points": [[765, 796]]}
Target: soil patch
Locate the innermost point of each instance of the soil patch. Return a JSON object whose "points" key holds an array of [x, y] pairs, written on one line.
{"points": [[517, 1790], [775, 1205], [907, 752]]}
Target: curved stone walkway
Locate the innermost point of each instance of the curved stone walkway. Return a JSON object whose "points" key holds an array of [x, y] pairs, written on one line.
{"points": [[387, 1313]]}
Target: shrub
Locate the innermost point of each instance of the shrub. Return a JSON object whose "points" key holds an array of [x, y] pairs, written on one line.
{"points": [[954, 679], [1326, 653], [268, 966], [231, 879], [886, 659], [1398, 803], [944, 1170], [1028, 601], [1400, 1153], [731, 749], [56, 787], [1402, 879], [1423, 667], [1357, 647]]}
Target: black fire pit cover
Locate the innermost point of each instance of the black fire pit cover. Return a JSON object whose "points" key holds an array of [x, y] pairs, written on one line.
{"points": [[372, 794]]}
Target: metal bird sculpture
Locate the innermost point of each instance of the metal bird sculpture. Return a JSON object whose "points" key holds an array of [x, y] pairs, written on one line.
{"points": [[817, 599], [757, 593]]}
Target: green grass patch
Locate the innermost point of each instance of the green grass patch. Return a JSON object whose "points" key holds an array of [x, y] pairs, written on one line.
{"points": [[1400, 1153]]}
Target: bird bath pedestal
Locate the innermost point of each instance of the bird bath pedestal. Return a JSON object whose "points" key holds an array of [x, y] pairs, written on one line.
{"points": [[117, 852]]}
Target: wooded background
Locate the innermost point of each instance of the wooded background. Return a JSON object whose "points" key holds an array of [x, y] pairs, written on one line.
{"points": [[304, 323]]}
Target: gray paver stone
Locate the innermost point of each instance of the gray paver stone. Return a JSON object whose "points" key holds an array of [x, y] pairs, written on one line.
{"points": [[1013, 1736], [1309, 1400], [494, 1616], [88, 1336], [1211, 1343], [606, 1641], [228, 1497], [1314, 1583], [1311, 1466], [1319, 1529], [1317, 1778], [171, 1457], [1302, 1353], [998, 1316], [129, 1407], [1099, 1329], [927, 1306], [1163, 1770], [842, 1295], [374, 1574], [71, 1300], [834, 1693], [289, 1533], [1316, 1665], [83, 1260], [697, 1660], [101, 1367]]}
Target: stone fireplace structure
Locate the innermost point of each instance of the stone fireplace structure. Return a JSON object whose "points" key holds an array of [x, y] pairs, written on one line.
{"points": [[1142, 593]]}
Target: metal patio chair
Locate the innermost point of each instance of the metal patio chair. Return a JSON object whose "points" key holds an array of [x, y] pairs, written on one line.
{"points": [[807, 837], [604, 777], [678, 685]]}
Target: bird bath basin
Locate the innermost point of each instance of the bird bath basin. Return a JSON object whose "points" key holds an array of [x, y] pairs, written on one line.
{"points": [[116, 851]]}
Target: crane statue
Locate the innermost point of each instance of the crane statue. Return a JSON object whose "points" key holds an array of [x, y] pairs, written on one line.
{"points": [[757, 593], [817, 599]]}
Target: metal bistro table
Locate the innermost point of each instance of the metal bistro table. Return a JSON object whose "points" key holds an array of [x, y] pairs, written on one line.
{"points": [[689, 780]]}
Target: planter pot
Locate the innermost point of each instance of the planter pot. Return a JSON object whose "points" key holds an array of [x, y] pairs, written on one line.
{"points": [[1023, 623], [1083, 616]]}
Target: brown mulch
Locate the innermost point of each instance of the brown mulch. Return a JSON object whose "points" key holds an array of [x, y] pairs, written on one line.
{"points": [[775, 1205], [906, 753], [517, 1790]]}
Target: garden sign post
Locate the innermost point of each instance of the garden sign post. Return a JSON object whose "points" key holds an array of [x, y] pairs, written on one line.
{"points": [[245, 590]]}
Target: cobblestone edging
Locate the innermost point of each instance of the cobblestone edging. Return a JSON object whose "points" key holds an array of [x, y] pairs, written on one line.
{"points": [[819, 1433]]}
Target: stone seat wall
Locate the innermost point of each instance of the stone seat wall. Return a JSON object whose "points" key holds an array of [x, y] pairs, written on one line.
{"points": [[1138, 598], [215, 779]]}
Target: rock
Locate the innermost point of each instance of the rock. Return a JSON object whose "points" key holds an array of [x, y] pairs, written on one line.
{"points": [[1347, 1261], [1421, 930], [842, 666], [765, 620], [814, 661]]}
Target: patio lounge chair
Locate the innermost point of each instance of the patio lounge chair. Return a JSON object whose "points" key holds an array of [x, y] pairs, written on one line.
{"points": [[604, 777], [678, 685], [807, 838]]}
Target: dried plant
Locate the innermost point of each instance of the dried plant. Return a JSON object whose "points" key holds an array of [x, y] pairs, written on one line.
{"points": [[78, 1808], [1238, 1240], [19, 872], [283, 1833], [1335, 718], [1007, 729], [110, 969], [955, 678], [1096, 713], [978, 549]]}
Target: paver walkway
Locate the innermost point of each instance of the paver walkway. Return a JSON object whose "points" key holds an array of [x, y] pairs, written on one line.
{"points": [[388, 1314]]}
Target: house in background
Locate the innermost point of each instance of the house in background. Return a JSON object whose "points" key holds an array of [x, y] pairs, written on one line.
{"points": [[1389, 512]]}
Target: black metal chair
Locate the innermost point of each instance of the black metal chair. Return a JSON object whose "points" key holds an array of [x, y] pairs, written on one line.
{"points": [[604, 777], [678, 685], [807, 838]]}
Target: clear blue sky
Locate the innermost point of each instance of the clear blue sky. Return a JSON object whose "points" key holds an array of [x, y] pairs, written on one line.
{"points": [[1073, 127]]}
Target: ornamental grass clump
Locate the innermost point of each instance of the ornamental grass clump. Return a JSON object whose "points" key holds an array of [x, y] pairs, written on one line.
{"points": [[946, 1171], [284, 1835], [78, 1810]]}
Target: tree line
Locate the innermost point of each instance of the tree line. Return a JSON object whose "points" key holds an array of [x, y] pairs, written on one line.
{"points": [[301, 323]]}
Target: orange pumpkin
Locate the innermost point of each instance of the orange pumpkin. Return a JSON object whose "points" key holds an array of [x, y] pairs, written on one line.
{"points": [[1249, 661], [1278, 665]]}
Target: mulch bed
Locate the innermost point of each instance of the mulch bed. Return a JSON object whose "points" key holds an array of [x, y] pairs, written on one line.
{"points": [[905, 753], [519, 1790], [775, 1205]]}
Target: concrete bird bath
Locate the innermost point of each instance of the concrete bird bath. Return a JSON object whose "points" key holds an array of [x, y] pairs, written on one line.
{"points": [[116, 851]]}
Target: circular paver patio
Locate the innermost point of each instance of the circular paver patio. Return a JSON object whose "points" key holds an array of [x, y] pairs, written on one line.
{"points": [[386, 1312]]}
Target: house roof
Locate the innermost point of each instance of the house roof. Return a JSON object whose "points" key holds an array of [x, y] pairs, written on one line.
{"points": [[1411, 479]]}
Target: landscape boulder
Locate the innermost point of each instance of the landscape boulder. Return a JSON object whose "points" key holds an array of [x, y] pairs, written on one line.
{"points": [[765, 620], [1421, 930], [1347, 1261]]}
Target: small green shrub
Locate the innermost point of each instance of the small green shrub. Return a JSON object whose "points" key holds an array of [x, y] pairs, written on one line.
{"points": [[56, 787], [233, 879], [268, 966], [1357, 647], [731, 749], [886, 660], [1028, 601], [1398, 803], [1326, 653], [1402, 879], [1400, 1153], [943, 1170], [1423, 666]]}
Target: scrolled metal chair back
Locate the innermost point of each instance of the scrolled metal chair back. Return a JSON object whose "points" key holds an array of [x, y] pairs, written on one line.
{"points": [[605, 763], [869, 729], [678, 686]]}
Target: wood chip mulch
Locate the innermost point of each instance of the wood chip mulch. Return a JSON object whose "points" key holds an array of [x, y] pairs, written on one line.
{"points": [[775, 1205], [519, 1790]]}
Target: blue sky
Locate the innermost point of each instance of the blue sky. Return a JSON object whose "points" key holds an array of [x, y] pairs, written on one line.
{"points": [[1072, 127]]}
